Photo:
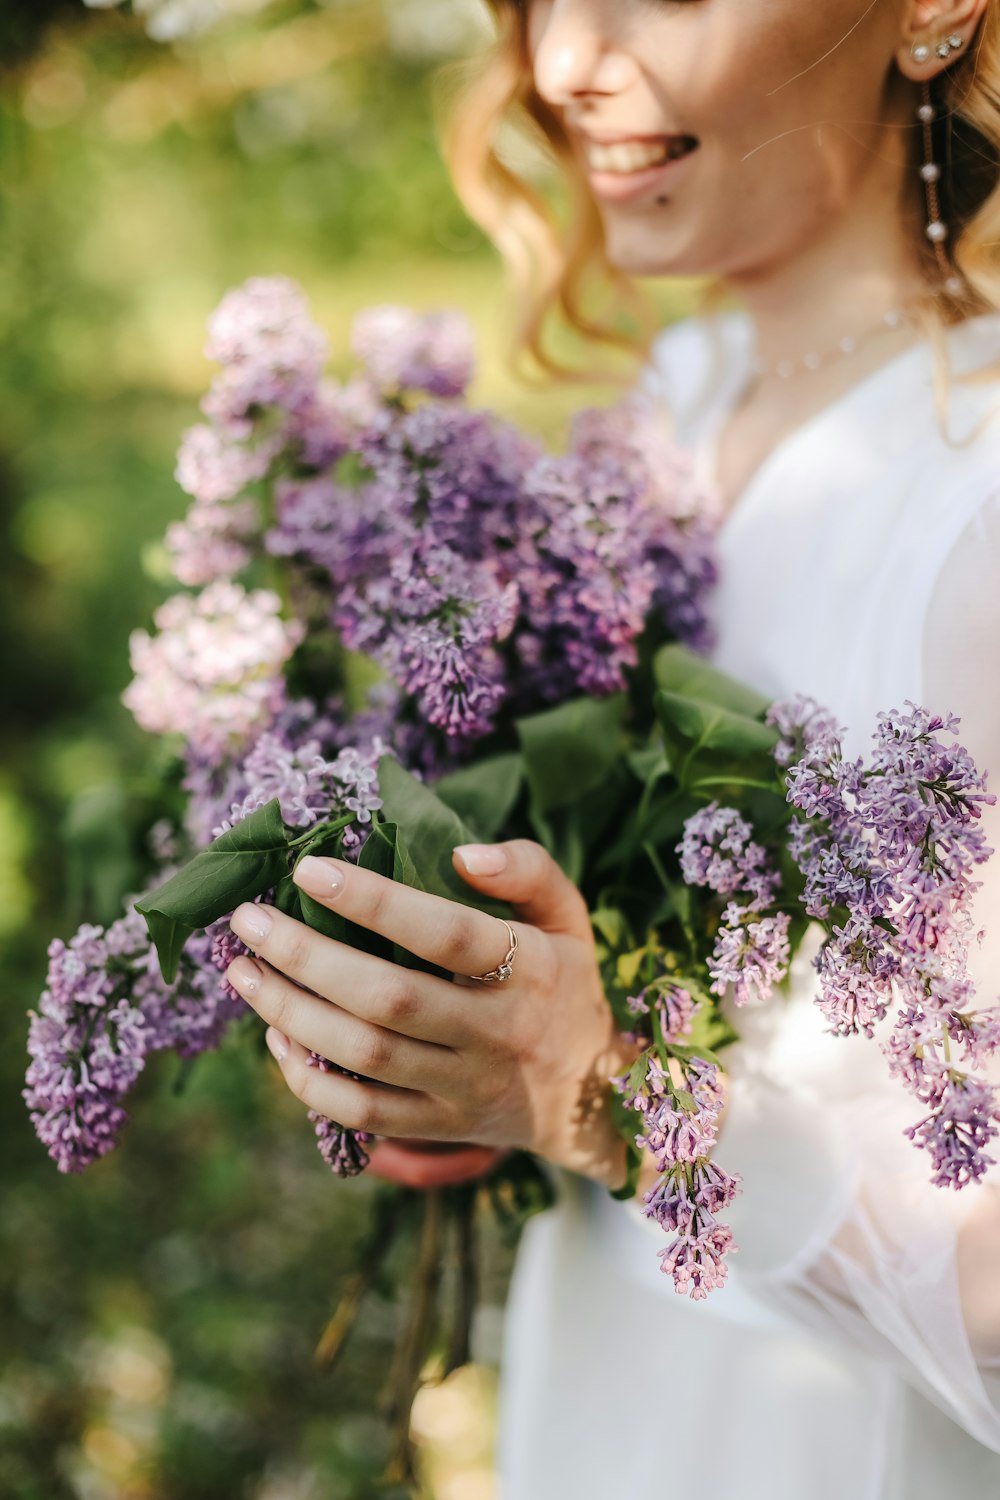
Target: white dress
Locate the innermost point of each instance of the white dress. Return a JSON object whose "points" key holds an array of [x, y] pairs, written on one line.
{"points": [[861, 564]]}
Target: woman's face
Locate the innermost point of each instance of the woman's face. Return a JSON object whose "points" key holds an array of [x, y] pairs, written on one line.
{"points": [[787, 119]]}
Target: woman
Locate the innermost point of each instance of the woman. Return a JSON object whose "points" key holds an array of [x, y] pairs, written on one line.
{"points": [[855, 1351]]}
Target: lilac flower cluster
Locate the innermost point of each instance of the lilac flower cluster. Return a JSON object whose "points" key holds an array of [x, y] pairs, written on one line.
{"points": [[670, 1003], [752, 950], [888, 851], [466, 540], [270, 402], [215, 670], [271, 352], [678, 515], [104, 1009], [480, 574], [591, 585], [402, 351], [302, 761], [681, 1105], [343, 1150]]}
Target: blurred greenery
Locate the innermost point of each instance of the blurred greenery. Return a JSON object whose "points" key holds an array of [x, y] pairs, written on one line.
{"points": [[158, 1316]]}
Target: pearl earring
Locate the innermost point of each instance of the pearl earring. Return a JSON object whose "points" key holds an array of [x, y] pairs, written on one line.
{"points": [[920, 51], [937, 230]]}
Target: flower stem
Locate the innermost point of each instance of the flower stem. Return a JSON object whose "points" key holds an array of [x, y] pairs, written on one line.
{"points": [[405, 1378]]}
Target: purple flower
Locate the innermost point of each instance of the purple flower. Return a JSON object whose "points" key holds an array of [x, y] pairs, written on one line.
{"points": [[698, 1263], [213, 467], [718, 851], [271, 352], [680, 1127], [678, 518], [588, 591], [213, 673], [405, 351], [675, 1007], [750, 957], [87, 1046], [213, 541], [964, 1120], [895, 844], [341, 1149], [104, 1009], [856, 967], [807, 731]]}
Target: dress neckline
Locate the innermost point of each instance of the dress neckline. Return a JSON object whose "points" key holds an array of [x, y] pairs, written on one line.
{"points": [[737, 331]]}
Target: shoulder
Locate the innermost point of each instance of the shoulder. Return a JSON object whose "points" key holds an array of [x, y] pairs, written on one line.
{"points": [[941, 425], [692, 364]]}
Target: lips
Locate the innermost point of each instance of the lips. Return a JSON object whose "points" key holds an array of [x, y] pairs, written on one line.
{"points": [[632, 169]]}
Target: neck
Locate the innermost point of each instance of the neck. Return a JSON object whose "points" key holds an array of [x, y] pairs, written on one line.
{"points": [[817, 299], [863, 257]]}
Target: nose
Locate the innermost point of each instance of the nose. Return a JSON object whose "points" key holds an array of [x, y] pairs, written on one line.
{"points": [[575, 51]]}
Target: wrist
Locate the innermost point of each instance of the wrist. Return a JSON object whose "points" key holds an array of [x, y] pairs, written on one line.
{"points": [[600, 1151]]}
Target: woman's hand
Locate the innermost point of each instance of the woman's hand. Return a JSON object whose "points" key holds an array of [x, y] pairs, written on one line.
{"points": [[520, 1064], [429, 1164]]}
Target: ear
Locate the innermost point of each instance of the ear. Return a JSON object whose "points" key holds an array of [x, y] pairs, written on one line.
{"points": [[931, 24]]}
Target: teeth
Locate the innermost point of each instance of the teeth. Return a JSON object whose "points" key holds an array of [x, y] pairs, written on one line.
{"points": [[634, 156]]}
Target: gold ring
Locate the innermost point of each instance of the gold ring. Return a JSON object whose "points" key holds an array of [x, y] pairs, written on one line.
{"points": [[503, 971]]}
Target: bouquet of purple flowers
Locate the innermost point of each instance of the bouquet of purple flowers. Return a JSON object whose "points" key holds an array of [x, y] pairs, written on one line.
{"points": [[407, 626], [399, 614]]}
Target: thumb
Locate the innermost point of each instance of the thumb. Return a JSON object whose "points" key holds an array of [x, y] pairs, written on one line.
{"points": [[524, 874]]}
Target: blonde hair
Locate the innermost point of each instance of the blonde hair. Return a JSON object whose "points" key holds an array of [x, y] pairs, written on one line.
{"points": [[557, 254]]}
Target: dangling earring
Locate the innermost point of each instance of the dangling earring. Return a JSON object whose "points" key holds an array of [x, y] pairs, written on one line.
{"points": [[937, 230]]}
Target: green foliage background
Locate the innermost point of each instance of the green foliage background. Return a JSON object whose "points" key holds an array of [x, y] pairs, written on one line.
{"points": [[158, 1316]]}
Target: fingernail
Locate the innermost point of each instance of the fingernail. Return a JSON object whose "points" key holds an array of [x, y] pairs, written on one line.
{"points": [[482, 859], [319, 877], [277, 1044], [244, 975], [251, 922]]}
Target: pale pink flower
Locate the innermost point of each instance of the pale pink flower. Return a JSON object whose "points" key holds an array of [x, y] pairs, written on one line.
{"points": [[214, 672]]}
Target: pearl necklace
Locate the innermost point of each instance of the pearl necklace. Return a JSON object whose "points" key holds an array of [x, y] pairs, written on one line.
{"points": [[819, 359]]}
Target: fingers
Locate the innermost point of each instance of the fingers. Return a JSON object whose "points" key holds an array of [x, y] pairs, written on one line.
{"points": [[340, 1036], [355, 1105], [397, 1162], [456, 937], [403, 1000], [527, 876]]}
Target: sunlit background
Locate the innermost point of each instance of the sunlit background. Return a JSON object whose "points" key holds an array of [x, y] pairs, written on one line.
{"points": [[158, 1316]]}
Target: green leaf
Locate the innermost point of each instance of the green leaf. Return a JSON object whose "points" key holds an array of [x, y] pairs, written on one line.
{"points": [[710, 1031], [570, 750], [648, 764], [628, 968], [687, 1053], [378, 852], [427, 831], [484, 795], [241, 864], [288, 898], [709, 726], [678, 670], [610, 924]]}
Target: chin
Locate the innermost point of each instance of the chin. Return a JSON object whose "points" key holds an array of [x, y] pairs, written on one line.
{"points": [[640, 250]]}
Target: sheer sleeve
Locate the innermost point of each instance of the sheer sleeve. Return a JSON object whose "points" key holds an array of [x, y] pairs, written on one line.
{"points": [[838, 1224]]}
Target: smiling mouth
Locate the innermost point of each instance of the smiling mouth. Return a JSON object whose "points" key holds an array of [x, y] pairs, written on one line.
{"points": [[623, 158]]}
